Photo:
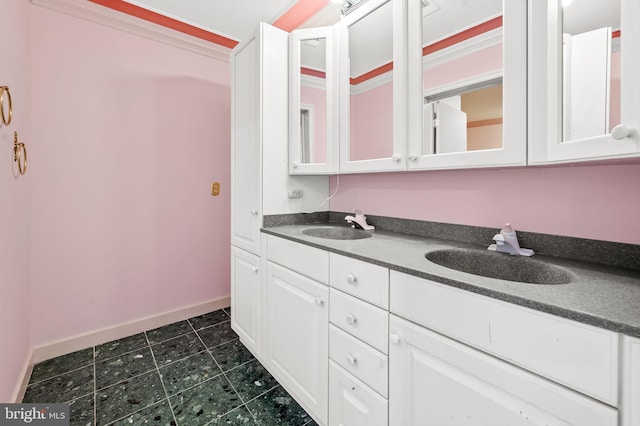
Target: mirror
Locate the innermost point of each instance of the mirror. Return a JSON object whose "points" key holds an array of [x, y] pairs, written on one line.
{"points": [[370, 95], [462, 90], [313, 128], [590, 68], [584, 69], [460, 77]]}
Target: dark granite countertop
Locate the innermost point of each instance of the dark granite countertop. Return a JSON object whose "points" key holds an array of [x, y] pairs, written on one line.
{"points": [[603, 296]]}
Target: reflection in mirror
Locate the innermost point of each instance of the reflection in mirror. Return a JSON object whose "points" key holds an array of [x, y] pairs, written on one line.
{"points": [[591, 68], [462, 85], [313, 100], [465, 119], [371, 85]]}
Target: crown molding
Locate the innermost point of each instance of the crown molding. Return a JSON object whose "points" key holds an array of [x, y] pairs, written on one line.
{"points": [[313, 82], [463, 48], [103, 15]]}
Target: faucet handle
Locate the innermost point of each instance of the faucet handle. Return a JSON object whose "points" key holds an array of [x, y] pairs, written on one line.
{"points": [[358, 212], [499, 239]]}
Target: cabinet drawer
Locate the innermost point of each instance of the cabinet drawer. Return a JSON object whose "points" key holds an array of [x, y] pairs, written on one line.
{"points": [[359, 359], [351, 402], [577, 355], [364, 280], [306, 260], [360, 319]]}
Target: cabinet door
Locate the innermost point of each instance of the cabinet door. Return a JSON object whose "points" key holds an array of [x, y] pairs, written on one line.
{"points": [[246, 217], [435, 381], [630, 382], [297, 337], [584, 91], [245, 298], [352, 403], [467, 84], [372, 87]]}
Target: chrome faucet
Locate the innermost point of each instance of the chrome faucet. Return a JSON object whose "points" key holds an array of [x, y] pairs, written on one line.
{"points": [[507, 242], [359, 220]]}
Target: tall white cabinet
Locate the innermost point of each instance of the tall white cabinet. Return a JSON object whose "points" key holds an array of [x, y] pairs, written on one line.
{"points": [[260, 184]]}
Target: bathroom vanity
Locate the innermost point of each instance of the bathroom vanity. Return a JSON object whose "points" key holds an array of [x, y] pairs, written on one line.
{"points": [[369, 331]]}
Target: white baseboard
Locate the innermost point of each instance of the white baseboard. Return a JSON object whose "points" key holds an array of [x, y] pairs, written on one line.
{"points": [[97, 337], [25, 373]]}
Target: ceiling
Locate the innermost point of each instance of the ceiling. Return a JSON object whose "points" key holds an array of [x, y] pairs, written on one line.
{"points": [[233, 19]]}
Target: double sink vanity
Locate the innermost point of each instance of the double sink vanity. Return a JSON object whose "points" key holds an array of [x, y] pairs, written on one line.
{"points": [[385, 328]]}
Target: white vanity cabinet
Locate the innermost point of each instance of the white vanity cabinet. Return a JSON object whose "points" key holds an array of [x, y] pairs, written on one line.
{"points": [[584, 84], [297, 316], [435, 380], [358, 342], [246, 298], [630, 404]]}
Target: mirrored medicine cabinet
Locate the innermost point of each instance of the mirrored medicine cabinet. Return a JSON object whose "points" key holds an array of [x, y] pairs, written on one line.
{"points": [[313, 102], [372, 60], [440, 84], [585, 69], [461, 81]]}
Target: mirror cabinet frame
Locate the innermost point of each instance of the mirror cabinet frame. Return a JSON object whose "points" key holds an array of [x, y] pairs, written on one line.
{"points": [[397, 162], [514, 80], [331, 164], [545, 90]]}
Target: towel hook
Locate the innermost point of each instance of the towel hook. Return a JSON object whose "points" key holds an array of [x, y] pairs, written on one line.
{"points": [[5, 89], [19, 154]]}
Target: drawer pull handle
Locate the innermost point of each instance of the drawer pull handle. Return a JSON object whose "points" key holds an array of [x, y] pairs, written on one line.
{"points": [[352, 360], [352, 279], [254, 212], [254, 269], [394, 338], [319, 301], [351, 320]]}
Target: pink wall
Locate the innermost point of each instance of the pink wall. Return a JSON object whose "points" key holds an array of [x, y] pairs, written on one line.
{"points": [[597, 201], [371, 129], [317, 98], [463, 68], [128, 135], [14, 199]]}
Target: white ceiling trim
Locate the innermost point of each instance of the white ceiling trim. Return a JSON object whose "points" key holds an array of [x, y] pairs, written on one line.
{"points": [[313, 81], [121, 21], [463, 48]]}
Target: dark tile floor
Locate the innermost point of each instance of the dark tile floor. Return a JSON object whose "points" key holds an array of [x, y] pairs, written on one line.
{"points": [[193, 372]]}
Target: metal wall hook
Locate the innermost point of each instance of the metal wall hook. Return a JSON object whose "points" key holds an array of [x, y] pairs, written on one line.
{"points": [[6, 120], [19, 154]]}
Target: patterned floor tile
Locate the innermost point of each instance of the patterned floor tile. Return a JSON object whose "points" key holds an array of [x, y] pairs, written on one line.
{"points": [[188, 372], [128, 397], [238, 417], [62, 388], [205, 402], [277, 407], [251, 379], [81, 411], [159, 414], [62, 364], [227, 310], [176, 349], [170, 331], [217, 334], [121, 346], [231, 354], [209, 319], [114, 370]]}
